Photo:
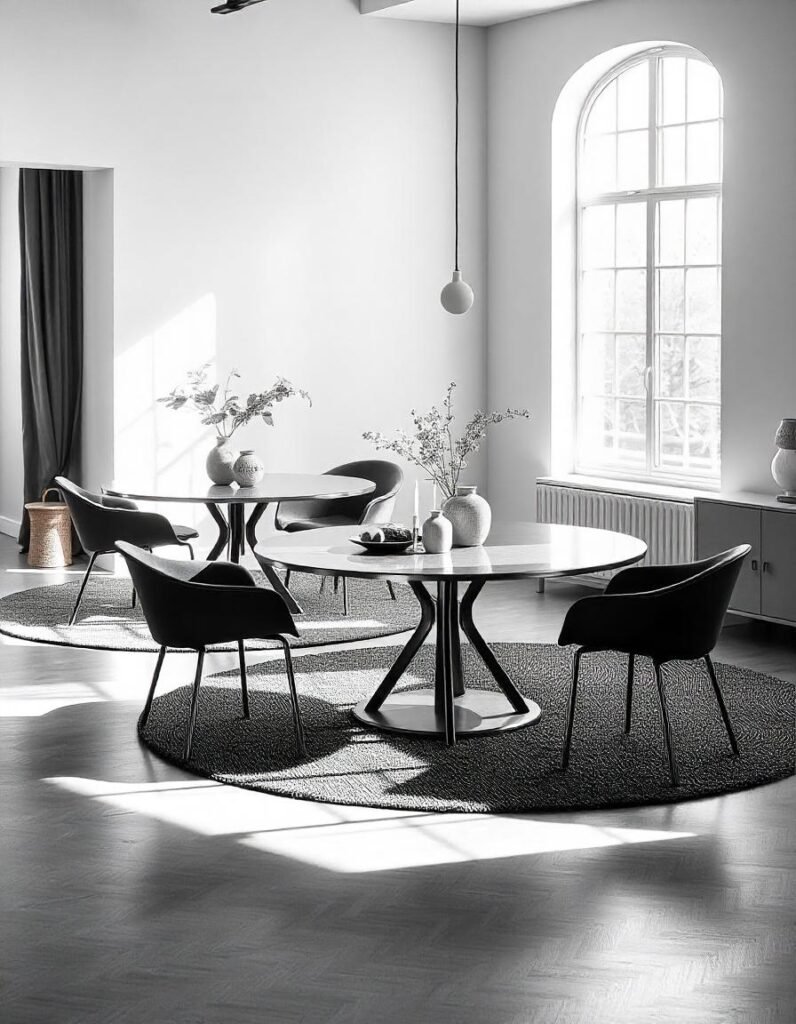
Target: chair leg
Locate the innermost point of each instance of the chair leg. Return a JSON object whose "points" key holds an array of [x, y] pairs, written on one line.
{"points": [[722, 706], [90, 566], [573, 693], [135, 599], [345, 595], [336, 584], [244, 686], [540, 585], [323, 584], [631, 663], [667, 729], [194, 704], [287, 577], [151, 694], [291, 680], [190, 550], [391, 590]]}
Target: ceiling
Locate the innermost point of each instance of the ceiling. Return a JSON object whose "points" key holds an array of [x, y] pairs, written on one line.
{"points": [[473, 12]]}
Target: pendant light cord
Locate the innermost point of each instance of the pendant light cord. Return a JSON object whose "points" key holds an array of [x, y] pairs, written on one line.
{"points": [[456, 149]]}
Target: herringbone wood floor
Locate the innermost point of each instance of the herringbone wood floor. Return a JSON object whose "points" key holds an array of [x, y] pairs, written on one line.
{"points": [[132, 892]]}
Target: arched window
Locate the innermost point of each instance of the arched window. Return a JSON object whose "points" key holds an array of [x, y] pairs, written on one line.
{"points": [[648, 373]]}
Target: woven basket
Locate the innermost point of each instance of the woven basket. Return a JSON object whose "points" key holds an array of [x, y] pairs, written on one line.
{"points": [[50, 533]]}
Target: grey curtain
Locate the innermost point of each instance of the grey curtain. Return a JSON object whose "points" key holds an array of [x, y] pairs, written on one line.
{"points": [[51, 244]]}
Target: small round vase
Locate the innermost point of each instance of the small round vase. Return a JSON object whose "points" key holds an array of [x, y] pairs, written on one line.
{"points": [[220, 461], [470, 516], [248, 469], [783, 467], [437, 533]]}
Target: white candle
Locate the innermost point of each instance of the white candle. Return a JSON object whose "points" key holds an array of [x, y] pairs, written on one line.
{"points": [[434, 495], [417, 501]]}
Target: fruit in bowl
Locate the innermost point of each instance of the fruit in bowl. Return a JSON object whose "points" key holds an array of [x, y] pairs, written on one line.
{"points": [[385, 532]]}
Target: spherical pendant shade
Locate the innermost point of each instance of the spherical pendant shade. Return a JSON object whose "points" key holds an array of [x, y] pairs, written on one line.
{"points": [[457, 297]]}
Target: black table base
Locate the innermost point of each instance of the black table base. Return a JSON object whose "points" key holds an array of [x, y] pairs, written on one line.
{"points": [[448, 710], [236, 533]]}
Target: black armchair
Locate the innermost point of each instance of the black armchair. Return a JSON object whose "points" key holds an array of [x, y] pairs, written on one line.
{"points": [[196, 604], [662, 612], [375, 507], [100, 520]]}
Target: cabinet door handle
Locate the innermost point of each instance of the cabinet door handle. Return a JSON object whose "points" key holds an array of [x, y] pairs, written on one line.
{"points": [[766, 566], [754, 565]]}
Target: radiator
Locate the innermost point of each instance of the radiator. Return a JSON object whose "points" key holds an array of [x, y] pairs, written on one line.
{"points": [[666, 526]]}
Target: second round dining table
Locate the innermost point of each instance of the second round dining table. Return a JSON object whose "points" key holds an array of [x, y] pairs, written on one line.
{"points": [[234, 530]]}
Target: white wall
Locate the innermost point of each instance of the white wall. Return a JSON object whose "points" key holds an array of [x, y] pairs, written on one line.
{"points": [[751, 43], [10, 399], [282, 203]]}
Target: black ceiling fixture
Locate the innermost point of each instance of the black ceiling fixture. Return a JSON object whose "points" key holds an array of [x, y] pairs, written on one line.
{"points": [[231, 6]]}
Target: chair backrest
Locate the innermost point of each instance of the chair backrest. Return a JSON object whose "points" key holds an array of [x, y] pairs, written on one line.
{"points": [[703, 599], [387, 476], [87, 515], [183, 609]]}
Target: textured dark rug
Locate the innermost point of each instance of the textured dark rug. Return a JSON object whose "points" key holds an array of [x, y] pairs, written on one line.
{"points": [[514, 771], [107, 622]]}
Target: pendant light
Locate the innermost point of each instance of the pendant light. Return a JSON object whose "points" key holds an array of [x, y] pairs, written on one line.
{"points": [[457, 296]]}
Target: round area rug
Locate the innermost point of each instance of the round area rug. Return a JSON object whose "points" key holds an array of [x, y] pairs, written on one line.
{"points": [[107, 621], [512, 771]]}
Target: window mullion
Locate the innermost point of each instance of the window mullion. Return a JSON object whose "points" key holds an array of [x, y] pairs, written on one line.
{"points": [[651, 283]]}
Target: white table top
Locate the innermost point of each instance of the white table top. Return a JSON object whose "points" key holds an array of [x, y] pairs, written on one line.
{"points": [[272, 487], [512, 551]]}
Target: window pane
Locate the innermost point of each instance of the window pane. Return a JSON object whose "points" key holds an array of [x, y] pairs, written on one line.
{"points": [[671, 301], [597, 311], [704, 153], [702, 301], [631, 235], [704, 368], [632, 432], [702, 230], [632, 168], [671, 156], [704, 91], [598, 237], [631, 358], [671, 446], [599, 165], [633, 102], [671, 101], [598, 424], [631, 300], [671, 232], [597, 364], [602, 117], [670, 375], [703, 439]]}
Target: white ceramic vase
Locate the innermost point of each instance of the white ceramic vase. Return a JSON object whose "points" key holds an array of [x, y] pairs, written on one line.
{"points": [[437, 533], [220, 461], [783, 468], [470, 516], [248, 469]]}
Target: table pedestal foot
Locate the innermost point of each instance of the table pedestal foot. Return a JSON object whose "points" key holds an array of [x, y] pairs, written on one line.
{"points": [[447, 710]]}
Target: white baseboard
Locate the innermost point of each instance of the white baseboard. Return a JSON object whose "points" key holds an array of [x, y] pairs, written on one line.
{"points": [[10, 527]]}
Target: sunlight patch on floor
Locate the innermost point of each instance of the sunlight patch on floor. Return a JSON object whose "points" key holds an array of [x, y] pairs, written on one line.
{"points": [[351, 839], [36, 699]]}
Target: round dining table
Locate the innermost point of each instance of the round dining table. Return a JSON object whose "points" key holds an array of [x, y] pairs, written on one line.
{"points": [[518, 551], [234, 530]]}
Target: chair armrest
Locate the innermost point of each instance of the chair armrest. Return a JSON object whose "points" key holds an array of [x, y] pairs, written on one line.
{"points": [[380, 510], [144, 529], [112, 501], [639, 578]]}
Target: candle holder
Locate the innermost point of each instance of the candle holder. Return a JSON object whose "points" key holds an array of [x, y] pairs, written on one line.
{"points": [[415, 534]]}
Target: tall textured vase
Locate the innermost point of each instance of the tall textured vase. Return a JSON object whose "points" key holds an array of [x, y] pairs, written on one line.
{"points": [[783, 468], [470, 517], [220, 461]]}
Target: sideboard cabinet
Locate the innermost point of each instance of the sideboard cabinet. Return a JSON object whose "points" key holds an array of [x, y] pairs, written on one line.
{"points": [[766, 588]]}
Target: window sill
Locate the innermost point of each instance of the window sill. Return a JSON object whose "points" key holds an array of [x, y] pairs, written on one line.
{"points": [[630, 487]]}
